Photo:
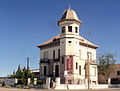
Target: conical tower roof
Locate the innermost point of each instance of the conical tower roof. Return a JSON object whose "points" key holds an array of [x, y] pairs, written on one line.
{"points": [[69, 15]]}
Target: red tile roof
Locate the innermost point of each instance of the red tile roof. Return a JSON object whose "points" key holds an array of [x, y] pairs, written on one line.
{"points": [[82, 41]]}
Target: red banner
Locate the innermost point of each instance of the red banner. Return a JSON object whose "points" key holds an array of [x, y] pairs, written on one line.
{"points": [[70, 64]]}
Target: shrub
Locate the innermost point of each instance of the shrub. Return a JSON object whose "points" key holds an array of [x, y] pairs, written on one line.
{"points": [[18, 86], [0, 84], [26, 87], [39, 82], [7, 86]]}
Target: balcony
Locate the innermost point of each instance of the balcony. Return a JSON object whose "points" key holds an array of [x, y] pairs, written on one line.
{"points": [[48, 60], [44, 61], [56, 60]]}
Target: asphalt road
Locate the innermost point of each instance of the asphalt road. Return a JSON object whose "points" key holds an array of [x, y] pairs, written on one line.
{"points": [[15, 89]]}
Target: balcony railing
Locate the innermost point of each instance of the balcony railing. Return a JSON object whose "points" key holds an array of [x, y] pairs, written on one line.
{"points": [[44, 61], [56, 60], [48, 60]]}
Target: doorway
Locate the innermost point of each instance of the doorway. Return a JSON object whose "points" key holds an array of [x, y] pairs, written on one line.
{"points": [[56, 70]]}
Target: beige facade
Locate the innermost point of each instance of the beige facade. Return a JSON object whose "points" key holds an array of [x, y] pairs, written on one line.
{"points": [[69, 52]]}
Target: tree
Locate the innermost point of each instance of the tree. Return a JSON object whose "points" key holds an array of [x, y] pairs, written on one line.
{"points": [[22, 75], [18, 72], [106, 65], [13, 75]]}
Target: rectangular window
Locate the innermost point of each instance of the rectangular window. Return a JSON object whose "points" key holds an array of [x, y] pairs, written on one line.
{"points": [[69, 41], [95, 71], [45, 55], [76, 65], [89, 55], [79, 70], [69, 28], [42, 69], [80, 54], [45, 68], [63, 29], [58, 53], [76, 29], [118, 72], [53, 54]]}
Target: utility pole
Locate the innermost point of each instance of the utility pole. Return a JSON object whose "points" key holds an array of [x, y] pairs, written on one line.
{"points": [[27, 68], [88, 62]]}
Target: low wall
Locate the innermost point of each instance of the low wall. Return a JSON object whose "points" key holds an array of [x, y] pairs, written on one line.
{"points": [[70, 86], [76, 86], [99, 86], [114, 86]]}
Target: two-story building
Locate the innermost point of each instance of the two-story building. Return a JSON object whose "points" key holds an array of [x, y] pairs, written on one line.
{"points": [[68, 55]]}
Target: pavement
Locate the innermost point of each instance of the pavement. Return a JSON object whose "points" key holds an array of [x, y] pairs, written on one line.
{"points": [[16, 89]]}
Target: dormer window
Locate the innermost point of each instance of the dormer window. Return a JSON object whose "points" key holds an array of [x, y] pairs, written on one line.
{"points": [[63, 29], [69, 28], [76, 29]]}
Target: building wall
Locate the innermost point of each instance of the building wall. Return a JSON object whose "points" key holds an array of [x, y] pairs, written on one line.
{"points": [[80, 56], [50, 52]]}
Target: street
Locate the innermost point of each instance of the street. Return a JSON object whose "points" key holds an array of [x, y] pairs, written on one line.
{"points": [[15, 89]]}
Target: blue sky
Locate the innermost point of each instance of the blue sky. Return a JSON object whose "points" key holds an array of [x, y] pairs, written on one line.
{"points": [[24, 24]]}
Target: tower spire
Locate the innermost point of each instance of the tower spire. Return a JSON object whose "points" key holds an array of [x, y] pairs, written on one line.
{"points": [[69, 6]]}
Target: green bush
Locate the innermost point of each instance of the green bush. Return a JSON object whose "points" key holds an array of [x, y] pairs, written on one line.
{"points": [[40, 82], [26, 87], [7, 86], [0, 84], [18, 86]]}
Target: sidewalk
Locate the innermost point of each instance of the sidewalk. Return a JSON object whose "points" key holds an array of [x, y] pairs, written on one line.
{"points": [[16, 89]]}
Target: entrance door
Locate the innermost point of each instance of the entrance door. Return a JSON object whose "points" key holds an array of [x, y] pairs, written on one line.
{"points": [[56, 70], [44, 70]]}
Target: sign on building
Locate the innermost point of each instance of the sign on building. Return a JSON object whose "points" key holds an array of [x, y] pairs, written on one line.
{"points": [[70, 64]]}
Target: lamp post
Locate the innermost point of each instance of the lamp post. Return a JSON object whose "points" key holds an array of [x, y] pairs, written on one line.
{"points": [[88, 73], [88, 62]]}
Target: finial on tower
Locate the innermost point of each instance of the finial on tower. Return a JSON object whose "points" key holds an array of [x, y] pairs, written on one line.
{"points": [[69, 6]]}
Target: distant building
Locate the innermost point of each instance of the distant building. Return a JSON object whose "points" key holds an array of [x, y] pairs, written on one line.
{"points": [[36, 72], [7, 80], [68, 55], [115, 77]]}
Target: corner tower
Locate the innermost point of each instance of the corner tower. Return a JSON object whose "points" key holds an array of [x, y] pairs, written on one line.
{"points": [[69, 35]]}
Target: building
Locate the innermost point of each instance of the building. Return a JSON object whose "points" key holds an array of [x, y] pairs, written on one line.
{"points": [[69, 56], [36, 72], [7, 81], [115, 77]]}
